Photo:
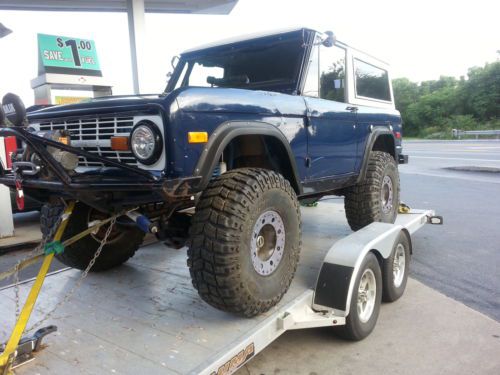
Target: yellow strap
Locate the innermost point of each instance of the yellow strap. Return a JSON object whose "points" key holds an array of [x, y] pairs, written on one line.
{"points": [[33, 295], [403, 209]]}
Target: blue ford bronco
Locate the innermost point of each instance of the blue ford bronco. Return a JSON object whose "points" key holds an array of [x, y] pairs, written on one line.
{"points": [[218, 162]]}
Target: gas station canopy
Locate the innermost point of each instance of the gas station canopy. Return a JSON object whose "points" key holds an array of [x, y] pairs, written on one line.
{"points": [[135, 10], [151, 6]]}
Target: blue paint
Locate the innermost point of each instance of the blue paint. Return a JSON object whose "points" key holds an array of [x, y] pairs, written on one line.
{"points": [[327, 140]]}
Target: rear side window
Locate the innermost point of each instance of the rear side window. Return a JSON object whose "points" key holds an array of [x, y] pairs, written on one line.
{"points": [[371, 82]]}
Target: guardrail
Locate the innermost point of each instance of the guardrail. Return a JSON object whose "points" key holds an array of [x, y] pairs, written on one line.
{"points": [[460, 133]]}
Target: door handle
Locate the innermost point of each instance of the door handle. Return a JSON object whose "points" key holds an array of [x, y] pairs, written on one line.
{"points": [[352, 109]]}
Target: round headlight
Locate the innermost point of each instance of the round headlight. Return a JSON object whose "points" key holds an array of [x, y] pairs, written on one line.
{"points": [[146, 142]]}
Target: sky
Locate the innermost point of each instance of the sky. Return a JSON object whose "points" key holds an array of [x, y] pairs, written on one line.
{"points": [[421, 40]]}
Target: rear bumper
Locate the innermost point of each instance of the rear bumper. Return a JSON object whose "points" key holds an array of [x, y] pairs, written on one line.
{"points": [[402, 159]]}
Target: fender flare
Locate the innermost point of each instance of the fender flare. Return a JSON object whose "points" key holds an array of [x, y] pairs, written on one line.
{"points": [[228, 131], [372, 138], [335, 284]]}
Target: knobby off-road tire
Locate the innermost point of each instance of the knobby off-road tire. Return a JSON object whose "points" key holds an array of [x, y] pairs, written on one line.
{"points": [[121, 245], [245, 241], [377, 197]]}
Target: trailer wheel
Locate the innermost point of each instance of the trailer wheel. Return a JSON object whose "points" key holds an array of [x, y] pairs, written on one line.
{"points": [[396, 269], [377, 197], [121, 245], [245, 241], [365, 301]]}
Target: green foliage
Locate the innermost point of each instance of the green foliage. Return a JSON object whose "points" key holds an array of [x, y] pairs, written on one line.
{"points": [[433, 108], [332, 82]]}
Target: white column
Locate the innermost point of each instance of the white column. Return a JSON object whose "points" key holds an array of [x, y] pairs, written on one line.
{"points": [[136, 30], [6, 220]]}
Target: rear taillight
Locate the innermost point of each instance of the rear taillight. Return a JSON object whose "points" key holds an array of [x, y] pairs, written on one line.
{"points": [[397, 135]]}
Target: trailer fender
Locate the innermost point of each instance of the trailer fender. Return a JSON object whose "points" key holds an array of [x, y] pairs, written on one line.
{"points": [[340, 267]]}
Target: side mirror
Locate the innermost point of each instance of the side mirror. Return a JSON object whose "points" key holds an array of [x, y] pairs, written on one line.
{"points": [[329, 40], [14, 109]]}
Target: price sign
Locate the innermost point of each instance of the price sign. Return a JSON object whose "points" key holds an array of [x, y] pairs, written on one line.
{"points": [[60, 54]]}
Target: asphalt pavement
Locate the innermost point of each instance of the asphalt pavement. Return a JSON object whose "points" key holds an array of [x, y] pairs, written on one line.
{"points": [[461, 258]]}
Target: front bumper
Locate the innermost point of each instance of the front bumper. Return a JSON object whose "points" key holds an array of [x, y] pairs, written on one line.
{"points": [[105, 184]]}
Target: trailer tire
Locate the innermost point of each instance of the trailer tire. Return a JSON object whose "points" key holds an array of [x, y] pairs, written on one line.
{"points": [[245, 241], [377, 197], [363, 314], [396, 269], [122, 244]]}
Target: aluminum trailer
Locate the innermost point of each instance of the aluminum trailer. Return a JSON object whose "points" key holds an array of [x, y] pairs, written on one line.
{"points": [[145, 316]]}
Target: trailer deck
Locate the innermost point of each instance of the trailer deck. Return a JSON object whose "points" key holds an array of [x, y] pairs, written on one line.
{"points": [[145, 316]]}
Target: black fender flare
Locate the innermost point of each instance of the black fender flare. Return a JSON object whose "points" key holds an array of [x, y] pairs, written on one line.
{"points": [[228, 131], [372, 138]]}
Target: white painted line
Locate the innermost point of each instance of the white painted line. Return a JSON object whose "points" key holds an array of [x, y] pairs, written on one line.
{"points": [[464, 159]]}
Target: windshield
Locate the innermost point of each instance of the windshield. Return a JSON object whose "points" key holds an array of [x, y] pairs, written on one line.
{"points": [[265, 64]]}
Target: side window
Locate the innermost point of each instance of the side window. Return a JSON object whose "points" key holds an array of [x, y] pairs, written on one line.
{"points": [[371, 82], [332, 73], [311, 86], [200, 73]]}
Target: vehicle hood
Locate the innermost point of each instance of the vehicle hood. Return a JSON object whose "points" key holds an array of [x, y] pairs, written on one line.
{"points": [[107, 105]]}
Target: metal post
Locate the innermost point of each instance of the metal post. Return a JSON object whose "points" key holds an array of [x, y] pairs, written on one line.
{"points": [[6, 219], [136, 29]]}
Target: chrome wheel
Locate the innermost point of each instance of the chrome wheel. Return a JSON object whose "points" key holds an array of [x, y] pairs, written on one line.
{"points": [[367, 292], [399, 265], [387, 194], [268, 243]]}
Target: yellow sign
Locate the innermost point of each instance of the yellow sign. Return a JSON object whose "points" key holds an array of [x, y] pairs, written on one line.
{"points": [[70, 99]]}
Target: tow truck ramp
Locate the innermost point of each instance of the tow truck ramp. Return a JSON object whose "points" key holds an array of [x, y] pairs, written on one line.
{"points": [[145, 316]]}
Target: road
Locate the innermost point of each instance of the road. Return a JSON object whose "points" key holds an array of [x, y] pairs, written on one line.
{"points": [[462, 258]]}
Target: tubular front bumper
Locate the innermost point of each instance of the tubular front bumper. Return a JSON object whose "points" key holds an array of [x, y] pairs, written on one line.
{"points": [[119, 177]]}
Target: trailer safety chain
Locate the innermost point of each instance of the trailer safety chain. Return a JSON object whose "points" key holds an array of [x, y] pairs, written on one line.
{"points": [[84, 274], [12, 348]]}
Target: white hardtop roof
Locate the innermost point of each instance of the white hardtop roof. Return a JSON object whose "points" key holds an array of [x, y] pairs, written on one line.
{"points": [[242, 38]]}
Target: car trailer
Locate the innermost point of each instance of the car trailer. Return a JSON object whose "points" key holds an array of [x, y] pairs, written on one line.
{"points": [[145, 317]]}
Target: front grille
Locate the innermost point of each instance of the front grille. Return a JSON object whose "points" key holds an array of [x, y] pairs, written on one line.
{"points": [[94, 135]]}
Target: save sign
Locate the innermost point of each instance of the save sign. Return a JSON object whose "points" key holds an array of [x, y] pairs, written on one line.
{"points": [[60, 54]]}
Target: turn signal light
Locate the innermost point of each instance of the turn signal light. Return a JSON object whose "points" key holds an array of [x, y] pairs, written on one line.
{"points": [[197, 137], [120, 144], [64, 140]]}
